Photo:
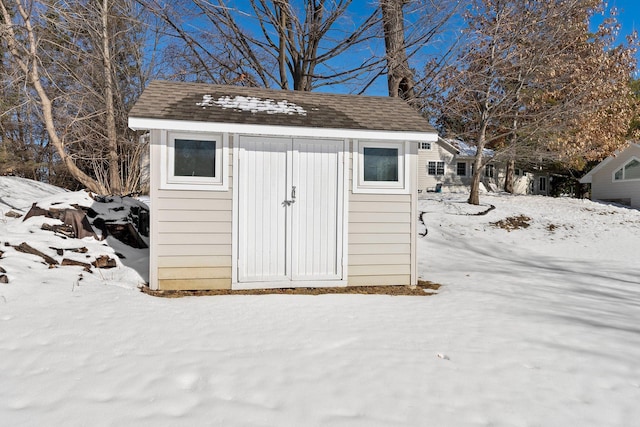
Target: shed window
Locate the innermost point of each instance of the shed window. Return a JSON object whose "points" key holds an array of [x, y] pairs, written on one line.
{"points": [[380, 167], [630, 171], [194, 158], [435, 168], [380, 164], [461, 169], [193, 161]]}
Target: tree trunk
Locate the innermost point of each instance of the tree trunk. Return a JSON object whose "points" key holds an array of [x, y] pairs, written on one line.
{"points": [[474, 194], [399, 75], [509, 175], [282, 12], [112, 134]]}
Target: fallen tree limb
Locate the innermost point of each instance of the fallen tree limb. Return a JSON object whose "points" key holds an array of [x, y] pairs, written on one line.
{"points": [[86, 266], [25, 248]]}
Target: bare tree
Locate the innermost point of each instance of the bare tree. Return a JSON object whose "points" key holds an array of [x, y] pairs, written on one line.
{"points": [[82, 63], [532, 82], [408, 40], [282, 43], [399, 75]]}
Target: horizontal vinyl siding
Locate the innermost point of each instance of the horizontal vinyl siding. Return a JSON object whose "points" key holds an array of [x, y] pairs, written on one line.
{"points": [[379, 239], [437, 153], [193, 238], [194, 273], [194, 284], [362, 206], [196, 261]]}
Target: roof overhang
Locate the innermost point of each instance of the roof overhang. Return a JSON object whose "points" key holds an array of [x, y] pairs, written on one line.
{"points": [[588, 178], [140, 123], [448, 145]]}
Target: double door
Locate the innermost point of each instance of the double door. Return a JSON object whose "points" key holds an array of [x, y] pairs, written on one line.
{"points": [[289, 210]]}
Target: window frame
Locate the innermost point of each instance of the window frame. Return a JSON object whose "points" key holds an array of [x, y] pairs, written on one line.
{"points": [[422, 145], [436, 163], [621, 168], [542, 183], [401, 186], [458, 164], [169, 181], [489, 170]]}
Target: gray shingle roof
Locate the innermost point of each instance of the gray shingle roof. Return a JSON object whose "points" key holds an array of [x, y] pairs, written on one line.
{"points": [[180, 101]]}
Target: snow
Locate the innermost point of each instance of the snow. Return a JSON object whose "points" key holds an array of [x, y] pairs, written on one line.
{"points": [[19, 193], [467, 150], [253, 105], [23, 269], [535, 326]]}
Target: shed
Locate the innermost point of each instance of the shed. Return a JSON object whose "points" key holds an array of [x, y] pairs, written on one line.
{"points": [[617, 178], [258, 188]]}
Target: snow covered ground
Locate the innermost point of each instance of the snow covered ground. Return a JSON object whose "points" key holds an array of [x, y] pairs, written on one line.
{"points": [[538, 326]]}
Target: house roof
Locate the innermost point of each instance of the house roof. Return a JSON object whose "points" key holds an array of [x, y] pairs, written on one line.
{"points": [[586, 179], [197, 102], [466, 150], [446, 144]]}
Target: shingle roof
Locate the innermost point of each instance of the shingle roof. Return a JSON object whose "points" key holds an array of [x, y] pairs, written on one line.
{"points": [[232, 104]]}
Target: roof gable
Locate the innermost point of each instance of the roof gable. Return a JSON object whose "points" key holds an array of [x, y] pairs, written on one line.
{"points": [[256, 106], [586, 179]]}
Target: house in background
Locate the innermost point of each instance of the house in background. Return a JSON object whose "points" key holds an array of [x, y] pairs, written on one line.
{"points": [[617, 178], [447, 164], [255, 188]]}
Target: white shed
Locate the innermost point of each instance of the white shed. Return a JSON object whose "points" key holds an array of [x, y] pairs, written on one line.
{"points": [[256, 188], [617, 178]]}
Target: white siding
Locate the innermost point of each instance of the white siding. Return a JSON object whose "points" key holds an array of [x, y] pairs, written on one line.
{"points": [[190, 234], [381, 235], [603, 187], [437, 153]]}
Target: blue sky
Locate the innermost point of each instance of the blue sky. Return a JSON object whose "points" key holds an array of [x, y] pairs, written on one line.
{"points": [[628, 17], [629, 14]]}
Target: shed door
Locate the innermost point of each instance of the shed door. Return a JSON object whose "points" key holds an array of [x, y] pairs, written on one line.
{"points": [[290, 210]]}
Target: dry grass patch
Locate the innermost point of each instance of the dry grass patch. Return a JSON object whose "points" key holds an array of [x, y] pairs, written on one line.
{"points": [[513, 223], [423, 288]]}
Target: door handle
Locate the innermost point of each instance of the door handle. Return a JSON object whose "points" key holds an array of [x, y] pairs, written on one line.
{"points": [[293, 197]]}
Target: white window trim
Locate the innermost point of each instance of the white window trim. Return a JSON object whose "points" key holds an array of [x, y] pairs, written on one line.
{"points": [[170, 182], [399, 187], [425, 142], [444, 167], [613, 174]]}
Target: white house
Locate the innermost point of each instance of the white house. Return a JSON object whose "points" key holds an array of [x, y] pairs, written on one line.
{"points": [[447, 165], [617, 178], [254, 188]]}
